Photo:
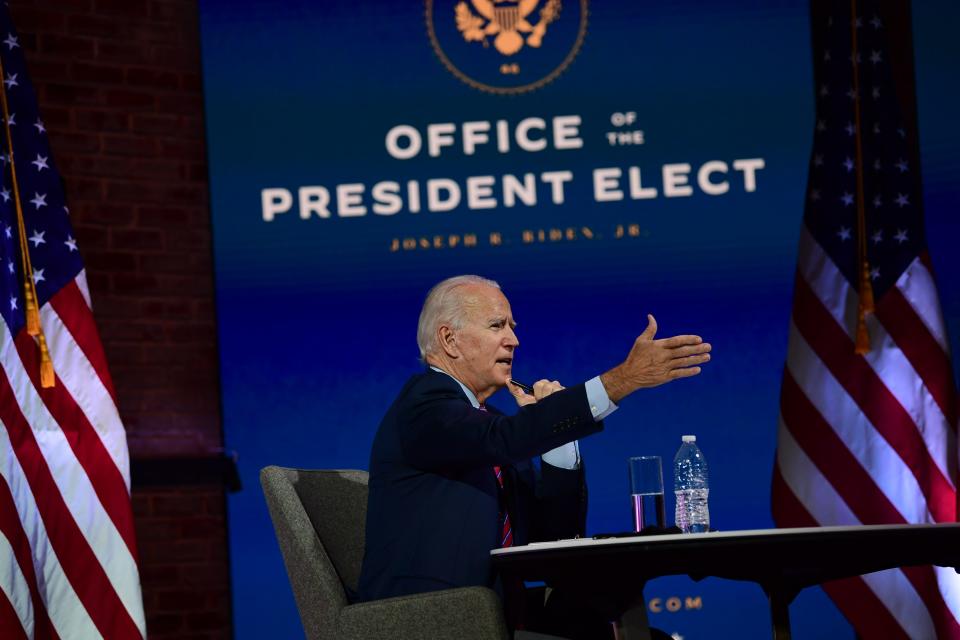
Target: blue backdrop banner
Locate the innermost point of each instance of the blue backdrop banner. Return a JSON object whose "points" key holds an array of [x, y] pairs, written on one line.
{"points": [[601, 161]]}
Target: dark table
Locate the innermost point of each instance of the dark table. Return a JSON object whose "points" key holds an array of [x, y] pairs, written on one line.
{"points": [[781, 561]]}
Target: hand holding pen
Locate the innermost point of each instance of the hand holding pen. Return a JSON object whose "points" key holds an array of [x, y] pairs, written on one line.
{"points": [[525, 394]]}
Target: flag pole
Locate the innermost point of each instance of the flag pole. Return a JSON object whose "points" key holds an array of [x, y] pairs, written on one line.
{"points": [[866, 302]]}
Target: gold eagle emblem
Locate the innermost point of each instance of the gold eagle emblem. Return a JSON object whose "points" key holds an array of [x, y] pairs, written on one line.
{"points": [[506, 20]]}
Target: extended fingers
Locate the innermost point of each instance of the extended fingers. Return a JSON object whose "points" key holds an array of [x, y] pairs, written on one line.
{"points": [[690, 361], [687, 372], [691, 350], [679, 341]]}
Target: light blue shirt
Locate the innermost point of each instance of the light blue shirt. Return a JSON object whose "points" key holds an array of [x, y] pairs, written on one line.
{"points": [[566, 456]]}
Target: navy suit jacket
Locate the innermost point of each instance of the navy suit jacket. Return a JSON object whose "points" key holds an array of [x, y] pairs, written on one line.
{"points": [[432, 514]]}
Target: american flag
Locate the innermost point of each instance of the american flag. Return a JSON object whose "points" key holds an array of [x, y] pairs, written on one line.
{"points": [[68, 556], [868, 436]]}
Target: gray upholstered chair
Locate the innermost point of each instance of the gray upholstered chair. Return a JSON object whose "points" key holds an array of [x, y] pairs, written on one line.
{"points": [[319, 517]]}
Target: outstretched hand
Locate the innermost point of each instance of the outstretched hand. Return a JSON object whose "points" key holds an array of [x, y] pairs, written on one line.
{"points": [[653, 362]]}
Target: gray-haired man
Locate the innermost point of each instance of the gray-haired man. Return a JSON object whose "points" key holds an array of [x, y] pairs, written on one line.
{"points": [[451, 478]]}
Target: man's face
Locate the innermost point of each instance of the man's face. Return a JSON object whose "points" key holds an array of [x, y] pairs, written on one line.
{"points": [[486, 341]]}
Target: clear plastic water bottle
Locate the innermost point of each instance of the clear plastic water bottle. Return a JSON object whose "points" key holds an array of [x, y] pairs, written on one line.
{"points": [[691, 487]]}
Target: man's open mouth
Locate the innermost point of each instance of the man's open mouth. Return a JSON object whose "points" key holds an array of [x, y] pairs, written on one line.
{"points": [[506, 361]]}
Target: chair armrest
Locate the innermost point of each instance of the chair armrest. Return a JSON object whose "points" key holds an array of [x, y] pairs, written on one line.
{"points": [[469, 612]]}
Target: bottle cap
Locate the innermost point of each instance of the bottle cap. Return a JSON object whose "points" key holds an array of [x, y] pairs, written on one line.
{"points": [[689, 438]]}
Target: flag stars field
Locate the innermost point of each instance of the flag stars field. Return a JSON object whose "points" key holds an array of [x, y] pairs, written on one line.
{"points": [[872, 420]]}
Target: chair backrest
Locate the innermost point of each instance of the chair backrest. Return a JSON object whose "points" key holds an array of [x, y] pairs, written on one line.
{"points": [[320, 518]]}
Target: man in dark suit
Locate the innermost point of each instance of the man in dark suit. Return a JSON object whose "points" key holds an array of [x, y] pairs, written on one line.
{"points": [[451, 479]]}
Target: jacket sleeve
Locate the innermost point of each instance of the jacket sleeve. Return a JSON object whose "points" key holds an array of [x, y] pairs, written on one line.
{"points": [[441, 431], [558, 505]]}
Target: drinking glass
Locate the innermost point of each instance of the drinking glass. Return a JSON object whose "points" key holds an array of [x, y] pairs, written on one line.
{"points": [[646, 489]]}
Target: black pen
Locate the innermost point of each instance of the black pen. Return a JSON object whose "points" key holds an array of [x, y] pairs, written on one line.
{"points": [[527, 388]]}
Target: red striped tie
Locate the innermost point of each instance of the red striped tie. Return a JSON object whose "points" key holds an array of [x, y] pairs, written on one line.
{"points": [[506, 531]]}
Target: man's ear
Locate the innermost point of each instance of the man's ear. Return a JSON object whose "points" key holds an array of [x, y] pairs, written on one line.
{"points": [[448, 341]]}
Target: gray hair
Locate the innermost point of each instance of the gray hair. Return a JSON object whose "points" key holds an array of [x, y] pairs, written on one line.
{"points": [[444, 304]]}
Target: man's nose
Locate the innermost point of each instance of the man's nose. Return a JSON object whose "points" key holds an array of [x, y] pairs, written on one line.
{"points": [[512, 339]]}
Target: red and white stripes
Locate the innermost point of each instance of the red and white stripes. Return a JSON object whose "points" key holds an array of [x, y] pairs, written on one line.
{"points": [[871, 439], [65, 513]]}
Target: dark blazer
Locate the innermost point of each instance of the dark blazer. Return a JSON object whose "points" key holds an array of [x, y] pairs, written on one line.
{"points": [[432, 514]]}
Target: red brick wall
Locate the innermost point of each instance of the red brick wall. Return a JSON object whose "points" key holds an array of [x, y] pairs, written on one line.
{"points": [[183, 562], [119, 88]]}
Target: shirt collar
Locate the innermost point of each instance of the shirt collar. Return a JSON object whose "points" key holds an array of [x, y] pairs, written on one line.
{"points": [[472, 398]]}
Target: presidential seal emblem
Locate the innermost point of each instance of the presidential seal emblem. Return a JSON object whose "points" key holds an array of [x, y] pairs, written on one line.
{"points": [[506, 46]]}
